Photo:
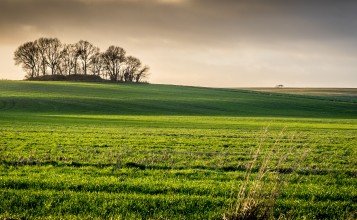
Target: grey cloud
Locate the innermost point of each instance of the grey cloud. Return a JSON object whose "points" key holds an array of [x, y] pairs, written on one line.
{"points": [[210, 21], [162, 31]]}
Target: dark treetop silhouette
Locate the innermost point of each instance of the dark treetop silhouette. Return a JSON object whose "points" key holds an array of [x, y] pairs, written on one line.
{"points": [[49, 57]]}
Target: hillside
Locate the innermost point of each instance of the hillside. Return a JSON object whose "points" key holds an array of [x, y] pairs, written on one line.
{"points": [[146, 99], [139, 151], [338, 94]]}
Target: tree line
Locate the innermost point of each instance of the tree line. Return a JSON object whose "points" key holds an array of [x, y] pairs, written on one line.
{"points": [[48, 56]]}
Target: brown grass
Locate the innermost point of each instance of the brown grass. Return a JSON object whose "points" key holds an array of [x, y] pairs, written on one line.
{"points": [[258, 193]]}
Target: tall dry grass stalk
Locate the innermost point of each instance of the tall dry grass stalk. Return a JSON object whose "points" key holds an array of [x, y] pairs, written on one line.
{"points": [[258, 193]]}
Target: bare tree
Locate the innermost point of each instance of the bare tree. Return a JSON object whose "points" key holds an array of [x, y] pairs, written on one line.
{"points": [[53, 54], [42, 44], [96, 63], [142, 74], [133, 70], [69, 57], [131, 66], [28, 56], [76, 57], [113, 59], [46, 54], [85, 51]]}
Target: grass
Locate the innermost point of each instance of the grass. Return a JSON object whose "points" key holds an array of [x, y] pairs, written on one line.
{"points": [[336, 94], [124, 151], [131, 99], [256, 199]]}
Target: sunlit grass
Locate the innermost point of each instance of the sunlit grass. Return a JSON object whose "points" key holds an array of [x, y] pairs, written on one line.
{"points": [[78, 159]]}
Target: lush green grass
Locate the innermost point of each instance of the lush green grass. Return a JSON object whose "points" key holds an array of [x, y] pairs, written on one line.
{"points": [[132, 99], [89, 150]]}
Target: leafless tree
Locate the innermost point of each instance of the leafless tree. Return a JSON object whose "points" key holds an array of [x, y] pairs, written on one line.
{"points": [[131, 67], [42, 44], [46, 54], [133, 70], [142, 74], [28, 56], [113, 59], [132, 64], [53, 54], [85, 51], [96, 63], [69, 57]]}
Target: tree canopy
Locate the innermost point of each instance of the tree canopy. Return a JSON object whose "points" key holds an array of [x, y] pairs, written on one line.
{"points": [[48, 56]]}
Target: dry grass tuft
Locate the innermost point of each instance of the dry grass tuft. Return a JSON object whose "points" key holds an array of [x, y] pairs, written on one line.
{"points": [[259, 192]]}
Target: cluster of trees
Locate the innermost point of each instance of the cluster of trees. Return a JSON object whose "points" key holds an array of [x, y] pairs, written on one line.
{"points": [[48, 56]]}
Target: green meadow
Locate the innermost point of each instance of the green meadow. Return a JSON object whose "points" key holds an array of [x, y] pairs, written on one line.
{"points": [[75, 150]]}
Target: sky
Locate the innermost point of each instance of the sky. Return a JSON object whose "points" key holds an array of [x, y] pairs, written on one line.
{"points": [[214, 43]]}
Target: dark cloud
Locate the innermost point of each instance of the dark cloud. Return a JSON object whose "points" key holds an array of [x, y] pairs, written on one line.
{"points": [[188, 20]]}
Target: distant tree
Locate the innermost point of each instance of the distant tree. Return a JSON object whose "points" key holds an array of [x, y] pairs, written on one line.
{"points": [[76, 57], [133, 70], [69, 57], [131, 67], [96, 63], [53, 54], [42, 44], [85, 52], [49, 54], [142, 74], [113, 59], [28, 56]]}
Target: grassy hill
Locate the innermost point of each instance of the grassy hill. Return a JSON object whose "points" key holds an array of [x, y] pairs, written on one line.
{"points": [[337, 94], [146, 99], [139, 151]]}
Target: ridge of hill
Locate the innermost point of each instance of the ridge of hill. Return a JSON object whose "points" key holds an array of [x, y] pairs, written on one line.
{"points": [[154, 99], [336, 94]]}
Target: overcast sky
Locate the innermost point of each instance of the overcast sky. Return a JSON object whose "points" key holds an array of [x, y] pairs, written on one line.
{"points": [[218, 43]]}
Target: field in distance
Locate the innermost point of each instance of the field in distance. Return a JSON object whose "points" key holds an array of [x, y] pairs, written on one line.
{"points": [[126, 151], [344, 94]]}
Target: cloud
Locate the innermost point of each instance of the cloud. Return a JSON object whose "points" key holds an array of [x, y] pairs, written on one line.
{"points": [[196, 21], [237, 36]]}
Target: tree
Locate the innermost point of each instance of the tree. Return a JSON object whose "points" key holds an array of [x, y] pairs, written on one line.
{"points": [[143, 73], [131, 66], [69, 57], [42, 44], [46, 55], [53, 54], [85, 52], [28, 56], [133, 71], [113, 59], [96, 63]]}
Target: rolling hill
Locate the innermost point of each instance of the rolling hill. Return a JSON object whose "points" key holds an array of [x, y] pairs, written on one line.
{"points": [[147, 99], [71, 150]]}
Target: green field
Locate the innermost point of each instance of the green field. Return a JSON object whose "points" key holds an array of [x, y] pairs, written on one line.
{"points": [[337, 94], [126, 151]]}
